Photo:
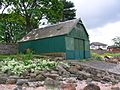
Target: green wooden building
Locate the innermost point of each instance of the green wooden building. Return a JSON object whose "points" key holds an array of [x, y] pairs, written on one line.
{"points": [[68, 39]]}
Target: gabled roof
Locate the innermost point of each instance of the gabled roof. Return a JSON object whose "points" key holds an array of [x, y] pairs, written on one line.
{"points": [[61, 28], [98, 44]]}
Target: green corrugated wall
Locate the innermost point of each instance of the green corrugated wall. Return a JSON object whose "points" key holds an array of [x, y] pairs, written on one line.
{"points": [[46, 45]]}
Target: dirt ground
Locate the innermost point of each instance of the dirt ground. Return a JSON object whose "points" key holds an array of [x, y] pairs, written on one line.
{"points": [[80, 86]]}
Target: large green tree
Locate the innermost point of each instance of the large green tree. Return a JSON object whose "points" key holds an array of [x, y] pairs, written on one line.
{"points": [[69, 11], [11, 27], [116, 41], [34, 10]]}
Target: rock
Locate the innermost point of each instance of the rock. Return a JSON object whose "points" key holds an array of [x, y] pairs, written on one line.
{"points": [[40, 77], [54, 72], [18, 88], [91, 87], [3, 80], [11, 81], [14, 77], [95, 78], [9, 73], [26, 73], [25, 85], [115, 88], [99, 75], [103, 82], [62, 71], [59, 78], [68, 86], [51, 82], [83, 75], [74, 75], [89, 80], [106, 78], [38, 72], [78, 67], [73, 70], [114, 81], [32, 75], [71, 80], [20, 82], [36, 84], [53, 76]]}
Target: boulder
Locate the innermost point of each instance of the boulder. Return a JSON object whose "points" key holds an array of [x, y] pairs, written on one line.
{"points": [[20, 82], [106, 78], [51, 82], [71, 80], [40, 77], [83, 75], [32, 75], [61, 71], [54, 72], [89, 80], [11, 81], [3, 80], [91, 87], [53, 76], [78, 67], [68, 86], [18, 88], [36, 84], [73, 70]]}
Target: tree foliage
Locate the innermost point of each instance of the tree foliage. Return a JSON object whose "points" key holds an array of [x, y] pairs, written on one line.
{"points": [[34, 10], [0, 4], [11, 27], [24, 15], [69, 12], [116, 41]]}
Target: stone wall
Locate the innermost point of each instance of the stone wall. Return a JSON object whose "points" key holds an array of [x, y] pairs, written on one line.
{"points": [[8, 48]]}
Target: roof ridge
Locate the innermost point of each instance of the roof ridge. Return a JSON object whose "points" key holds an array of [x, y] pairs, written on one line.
{"points": [[52, 25]]}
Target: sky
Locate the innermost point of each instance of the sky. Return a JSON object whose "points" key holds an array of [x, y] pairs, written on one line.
{"points": [[100, 17]]}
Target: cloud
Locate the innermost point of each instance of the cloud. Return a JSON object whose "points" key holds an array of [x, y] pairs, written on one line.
{"points": [[96, 13], [105, 34]]}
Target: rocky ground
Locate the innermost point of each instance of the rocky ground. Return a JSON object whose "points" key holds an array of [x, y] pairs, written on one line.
{"points": [[75, 75]]}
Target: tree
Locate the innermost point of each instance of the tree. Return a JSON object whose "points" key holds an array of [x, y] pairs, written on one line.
{"points": [[116, 41], [69, 12], [0, 4], [11, 27], [34, 10]]}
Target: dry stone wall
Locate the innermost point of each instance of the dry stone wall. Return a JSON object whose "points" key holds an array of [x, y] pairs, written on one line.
{"points": [[8, 48]]}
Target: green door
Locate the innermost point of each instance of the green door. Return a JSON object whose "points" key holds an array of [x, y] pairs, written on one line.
{"points": [[79, 49]]}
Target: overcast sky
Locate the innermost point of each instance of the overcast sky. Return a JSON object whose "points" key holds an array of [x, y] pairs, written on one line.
{"points": [[101, 18]]}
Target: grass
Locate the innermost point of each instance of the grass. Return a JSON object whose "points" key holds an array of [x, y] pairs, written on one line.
{"points": [[6, 56]]}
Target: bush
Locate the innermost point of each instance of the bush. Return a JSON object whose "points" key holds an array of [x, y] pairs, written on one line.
{"points": [[18, 67], [112, 54], [96, 56]]}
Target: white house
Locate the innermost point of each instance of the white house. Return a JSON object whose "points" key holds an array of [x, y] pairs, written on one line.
{"points": [[98, 45]]}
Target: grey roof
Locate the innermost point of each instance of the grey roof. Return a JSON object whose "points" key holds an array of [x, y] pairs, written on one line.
{"points": [[61, 28], [98, 44]]}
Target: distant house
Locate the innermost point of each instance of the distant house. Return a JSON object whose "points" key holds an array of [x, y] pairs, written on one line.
{"points": [[98, 45], [69, 39], [113, 49]]}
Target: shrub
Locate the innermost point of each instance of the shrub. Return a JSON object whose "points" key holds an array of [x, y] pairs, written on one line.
{"points": [[96, 56], [18, 67]]}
